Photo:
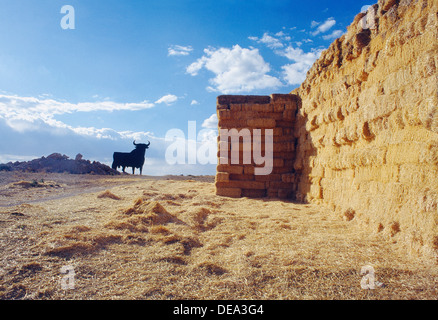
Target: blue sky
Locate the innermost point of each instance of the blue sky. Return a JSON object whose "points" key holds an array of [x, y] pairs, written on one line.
{"points": [[136, 69]]}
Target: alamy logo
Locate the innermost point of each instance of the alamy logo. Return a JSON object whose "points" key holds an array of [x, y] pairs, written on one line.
{"points": [[200, 148], [251, 148], [68, 21], [241, 147], [368, 280], [68, 281]]}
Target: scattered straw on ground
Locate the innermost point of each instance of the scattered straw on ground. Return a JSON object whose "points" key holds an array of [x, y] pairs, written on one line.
{"points": [[108, 194], [175, 239]]}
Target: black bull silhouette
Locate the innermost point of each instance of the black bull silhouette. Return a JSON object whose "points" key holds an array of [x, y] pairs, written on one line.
{"points": [[134, 159]]}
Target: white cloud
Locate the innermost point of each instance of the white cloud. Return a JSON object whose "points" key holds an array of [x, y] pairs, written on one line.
{"points": [[314, 24], [45, 96], [24, 114], [209, 136], [27, 114], [211, 122], [196, 66], [4, 158], [98, 97], [194, 102], [298, 55], [324, 27], [334, 35], [236, 70], [137, 135], [269, 41], [295, 73], [102, 133], [177, 50], [167, 99], [28, 107]]}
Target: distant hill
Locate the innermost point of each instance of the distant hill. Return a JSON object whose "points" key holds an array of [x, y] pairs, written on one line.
{"points": [[58, 163]]}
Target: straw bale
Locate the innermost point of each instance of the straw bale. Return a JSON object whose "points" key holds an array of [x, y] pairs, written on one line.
{"points": [[261, 123], [224, 114], [229, 192], [252, 193], [232, 169], [360, 133], [222, 177], [242, 177], [242, 184]]}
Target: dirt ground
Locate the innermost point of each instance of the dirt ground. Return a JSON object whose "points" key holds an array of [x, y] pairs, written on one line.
{"points": [[68, 236]]}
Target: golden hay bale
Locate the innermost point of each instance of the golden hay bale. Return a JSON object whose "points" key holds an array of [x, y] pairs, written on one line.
{"points": [[435, 243], [349, 214], [395, 228], [108, 194], [380, 227]]}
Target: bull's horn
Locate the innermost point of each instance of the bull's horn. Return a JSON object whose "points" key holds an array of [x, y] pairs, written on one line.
{"points": [[148, 144], [134, 143]]}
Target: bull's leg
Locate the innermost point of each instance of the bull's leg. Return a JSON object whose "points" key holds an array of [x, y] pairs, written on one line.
{"points": [[141, 170], [123, 168], [133, 170]]}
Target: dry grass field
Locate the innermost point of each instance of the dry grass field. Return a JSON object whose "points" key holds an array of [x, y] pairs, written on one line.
{"points": [[132, 237]]}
